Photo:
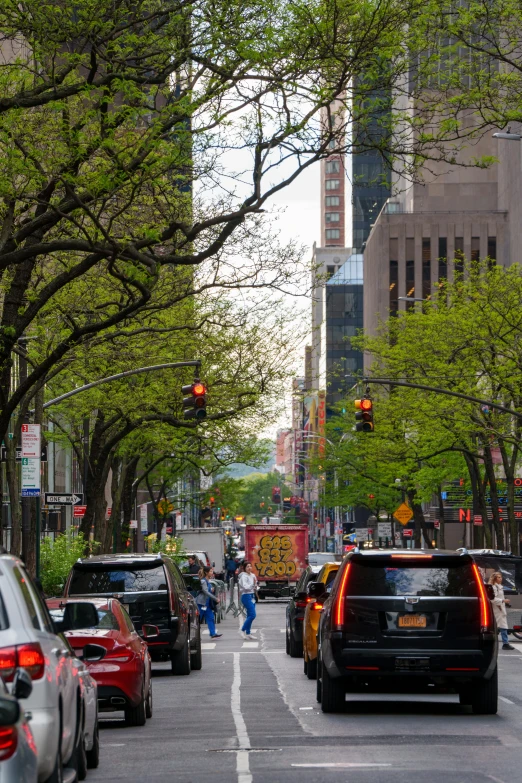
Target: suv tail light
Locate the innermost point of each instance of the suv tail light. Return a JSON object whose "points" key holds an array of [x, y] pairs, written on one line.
{"points": [[26, 656], [8, 742], [338, 613], [485, 606], [302, 604]]}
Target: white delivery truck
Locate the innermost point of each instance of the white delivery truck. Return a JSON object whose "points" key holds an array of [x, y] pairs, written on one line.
{"points": [[206, 539]]}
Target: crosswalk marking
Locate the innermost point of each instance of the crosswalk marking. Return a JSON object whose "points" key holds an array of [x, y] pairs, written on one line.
{"points": [[250, 645], [208, 645]]}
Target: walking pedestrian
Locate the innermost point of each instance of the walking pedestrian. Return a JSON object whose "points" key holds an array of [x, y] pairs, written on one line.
{"points": [[247, 585], [206, 600], [231, 568], [499, 609]]}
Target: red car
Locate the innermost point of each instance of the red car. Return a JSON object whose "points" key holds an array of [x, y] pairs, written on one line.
{"points": [[102, 634]]}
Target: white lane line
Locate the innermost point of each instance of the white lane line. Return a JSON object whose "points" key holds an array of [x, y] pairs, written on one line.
{"points": [[208, 645], [243, 762], [282, 630], [112, 744], [306, 708], [508, 701], [339, 765], [251, 645]]}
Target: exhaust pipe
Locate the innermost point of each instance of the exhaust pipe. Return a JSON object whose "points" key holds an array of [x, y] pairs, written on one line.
{"points": [[117, 701]]}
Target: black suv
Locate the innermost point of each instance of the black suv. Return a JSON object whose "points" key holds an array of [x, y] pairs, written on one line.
{"points": [[407, 619], [151, 588], [295, 612]]}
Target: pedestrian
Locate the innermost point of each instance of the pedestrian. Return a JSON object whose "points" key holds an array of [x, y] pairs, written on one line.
{"points": [[247, 585], [499, 608], [231, 567], [193, 566], [206, 600]]}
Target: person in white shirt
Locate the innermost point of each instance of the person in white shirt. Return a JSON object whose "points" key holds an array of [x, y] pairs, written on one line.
{"points": [[247, 584]]}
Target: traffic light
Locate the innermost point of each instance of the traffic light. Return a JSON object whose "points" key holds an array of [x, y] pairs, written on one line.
{"points": [[276, 494], [364, 415], [195, 403]]}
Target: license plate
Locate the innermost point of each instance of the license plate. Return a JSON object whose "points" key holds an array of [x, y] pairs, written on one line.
{"points": [[412, 621]]}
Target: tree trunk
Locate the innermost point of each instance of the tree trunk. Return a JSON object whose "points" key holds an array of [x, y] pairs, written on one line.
{"points": [[421, 529], [113, 529], [509, 464], [128, 496]]}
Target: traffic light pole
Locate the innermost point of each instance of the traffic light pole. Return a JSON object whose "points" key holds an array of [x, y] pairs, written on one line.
{"points": [[437, 390]]}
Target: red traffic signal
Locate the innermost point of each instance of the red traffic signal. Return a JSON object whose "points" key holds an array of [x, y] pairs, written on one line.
{"points": [[195, 403], [364, 415]]}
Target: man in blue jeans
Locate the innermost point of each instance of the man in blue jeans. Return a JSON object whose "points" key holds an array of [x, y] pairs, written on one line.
{"points": [[247, 584]]}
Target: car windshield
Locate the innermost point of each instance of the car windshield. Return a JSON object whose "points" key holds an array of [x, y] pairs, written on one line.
{"points": [[423, 579], [106, 619], [114, 579]]}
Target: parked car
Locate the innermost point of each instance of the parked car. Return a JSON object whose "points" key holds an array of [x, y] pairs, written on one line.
{"points": [[102, 635], [18, 756], [28, 640], [398, 618], [152, 590], [295, 613], [89, 757], [312, 615]]}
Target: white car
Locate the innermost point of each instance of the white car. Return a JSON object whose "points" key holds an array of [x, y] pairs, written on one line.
{"points": [[28, 641]]}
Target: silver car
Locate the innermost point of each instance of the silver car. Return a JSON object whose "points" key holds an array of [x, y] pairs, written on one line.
{"points": [[18, 757]]}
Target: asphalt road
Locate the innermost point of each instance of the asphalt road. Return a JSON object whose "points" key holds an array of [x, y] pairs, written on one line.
{"points": [[250, 716]]}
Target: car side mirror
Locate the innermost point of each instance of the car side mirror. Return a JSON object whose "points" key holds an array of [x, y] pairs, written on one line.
{"points": [[150, 631], [93, 653], [22, 684], [316, 589], [9, 711]]}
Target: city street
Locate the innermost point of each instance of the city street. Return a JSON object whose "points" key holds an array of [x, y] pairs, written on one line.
{"points": [[251, 716]]}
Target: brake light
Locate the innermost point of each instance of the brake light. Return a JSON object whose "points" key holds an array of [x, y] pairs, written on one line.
{"points": [[8, 742], [364, 668], [26, 656], [339, 609], [120, 653], [7, 663], [408, 556], [31, 658], [317, 606], [302, 604], [485, 608]]}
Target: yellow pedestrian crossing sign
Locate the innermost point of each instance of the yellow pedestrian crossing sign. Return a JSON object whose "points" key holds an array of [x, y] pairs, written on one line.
{"points": [[403, 514]]}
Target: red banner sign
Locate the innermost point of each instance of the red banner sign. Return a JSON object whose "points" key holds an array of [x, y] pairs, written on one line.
{"points": [[79, 511], [407, 533]]}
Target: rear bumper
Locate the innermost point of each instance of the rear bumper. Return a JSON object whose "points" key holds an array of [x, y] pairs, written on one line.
{"points": [[112, 699], [343, 661]]}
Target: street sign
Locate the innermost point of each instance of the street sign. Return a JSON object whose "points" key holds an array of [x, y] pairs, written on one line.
{"points": [[31, 446], [30, 478], [79, 511], [3, 453], [384, 529], [407, 533], [436, 524], [144, 526], [403, 514], [361, 533], [133, 523], [477, 520], [62, 500]]}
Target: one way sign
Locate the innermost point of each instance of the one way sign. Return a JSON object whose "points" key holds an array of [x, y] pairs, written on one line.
{"points": [[62, 500]]}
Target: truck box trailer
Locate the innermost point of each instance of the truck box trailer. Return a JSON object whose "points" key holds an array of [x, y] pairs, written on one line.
{"points": [[206, 539], [278, 556]]}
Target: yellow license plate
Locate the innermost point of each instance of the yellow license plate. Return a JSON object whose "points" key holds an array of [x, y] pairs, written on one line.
{"points": [[412, 621]]}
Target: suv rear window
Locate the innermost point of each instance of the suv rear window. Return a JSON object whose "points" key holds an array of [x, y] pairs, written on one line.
{"points": [[86, 580], [421, 578]]}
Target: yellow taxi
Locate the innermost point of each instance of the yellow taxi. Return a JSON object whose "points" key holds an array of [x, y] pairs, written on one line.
{"points": [[312, 614]]}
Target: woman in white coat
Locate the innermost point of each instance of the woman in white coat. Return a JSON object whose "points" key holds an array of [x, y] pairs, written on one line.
{"points": [[499, 608]]}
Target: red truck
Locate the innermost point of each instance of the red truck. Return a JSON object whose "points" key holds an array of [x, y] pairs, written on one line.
{"points": [[278, 556]]}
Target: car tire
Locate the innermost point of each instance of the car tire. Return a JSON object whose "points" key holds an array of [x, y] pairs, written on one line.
{"points": [[148, 703], [333, 695], [196, 658], [296, 648], [82, 756], [137, 716], [484, 696], [311, 670], [93, 755], [180, 660], [287, 641]]}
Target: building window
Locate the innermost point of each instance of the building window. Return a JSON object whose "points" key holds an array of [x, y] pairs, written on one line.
{"points": [[475, 248], [332, 184], [333, 233], [330, 270], [443, 258], [332, 167], [459, 255], [394, 279], [332, 217], [332, 201], [492, 251], [426, 268]]}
